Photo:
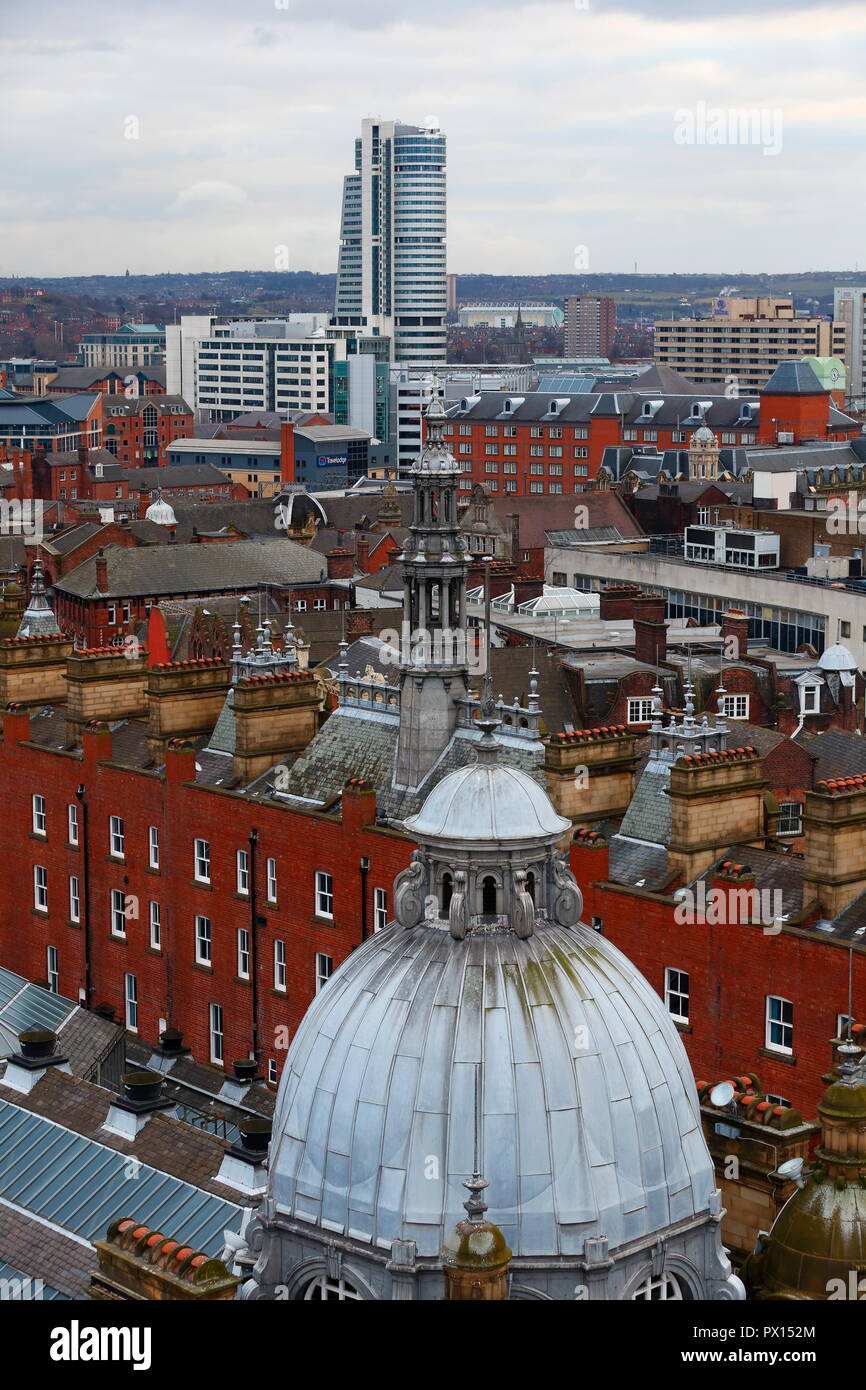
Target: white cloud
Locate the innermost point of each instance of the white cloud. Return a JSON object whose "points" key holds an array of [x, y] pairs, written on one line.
{"points": [[560, 125]]}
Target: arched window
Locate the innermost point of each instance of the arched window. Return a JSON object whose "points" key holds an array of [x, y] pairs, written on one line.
{"points": [[447, 890], [666, 1288], [488, 896], [323, 1287]]}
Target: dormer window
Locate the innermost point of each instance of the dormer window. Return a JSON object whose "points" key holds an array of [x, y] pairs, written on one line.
{"points": [[810, 699]]}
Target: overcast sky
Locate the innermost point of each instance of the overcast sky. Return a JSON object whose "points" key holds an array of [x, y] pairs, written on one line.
{"points": [[570, 124]]}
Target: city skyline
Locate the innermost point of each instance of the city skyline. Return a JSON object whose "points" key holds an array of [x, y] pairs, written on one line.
{"points": [[582, 135]]}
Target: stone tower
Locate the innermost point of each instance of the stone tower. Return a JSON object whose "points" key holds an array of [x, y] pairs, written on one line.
{"points": [[433, 648], [703, 455]]}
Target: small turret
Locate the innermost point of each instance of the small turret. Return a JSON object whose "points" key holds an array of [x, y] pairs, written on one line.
{"points": [[475, 1258], [817, 1247]]}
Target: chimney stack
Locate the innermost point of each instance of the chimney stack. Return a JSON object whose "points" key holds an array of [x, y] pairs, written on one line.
{"points": [[36, 1054], [834, 873], [101, 572], [143, 1095], [650, 629], [340, 563]]}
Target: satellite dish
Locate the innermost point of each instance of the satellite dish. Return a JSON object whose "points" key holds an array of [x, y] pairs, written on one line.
{"points": [[722, 1095], [792, 1169]]}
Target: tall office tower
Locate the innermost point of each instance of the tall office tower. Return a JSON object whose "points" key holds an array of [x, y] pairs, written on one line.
{"points": [[392, 239], [849, 309], [590, 325]]}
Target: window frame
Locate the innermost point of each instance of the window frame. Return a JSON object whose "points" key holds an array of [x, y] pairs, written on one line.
{"points": [[786, 1025], [324, 894], [39, 818], [197, 858], [674, 990], [203, 939]]}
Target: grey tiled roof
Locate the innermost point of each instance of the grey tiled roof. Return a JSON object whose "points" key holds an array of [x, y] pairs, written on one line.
{"points": [[838, 754], [189, 569], [354, 744], [649, 814]]}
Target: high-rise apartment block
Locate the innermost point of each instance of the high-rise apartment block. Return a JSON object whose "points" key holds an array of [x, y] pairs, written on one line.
{"points": [[849, 311], [590, 325], [745, 340], [392, 239]]}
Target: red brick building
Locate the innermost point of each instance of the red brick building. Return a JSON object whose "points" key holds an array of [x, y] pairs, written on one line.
{"points": [[537, 443], [138, 431]]}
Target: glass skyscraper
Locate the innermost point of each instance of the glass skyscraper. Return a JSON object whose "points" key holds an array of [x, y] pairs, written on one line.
{"points": [[392, 239]]}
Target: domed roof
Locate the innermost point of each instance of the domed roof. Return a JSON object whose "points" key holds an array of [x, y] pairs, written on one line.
{"points": [[704, 435], [487, 801], [588, 1121], [837, 658], [161, 512]]}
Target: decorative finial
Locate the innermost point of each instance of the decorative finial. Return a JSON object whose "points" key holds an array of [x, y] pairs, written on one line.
{"points": [[475, 1205]]}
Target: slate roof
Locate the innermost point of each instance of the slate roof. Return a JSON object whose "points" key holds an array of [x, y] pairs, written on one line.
{"points": [[837, 753], [143, 571], [538, 515], [83, 378], [357, 744], [794, 378]]}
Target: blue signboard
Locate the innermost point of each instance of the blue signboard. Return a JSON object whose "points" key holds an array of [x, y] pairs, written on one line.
{"points": [[332, 461]]}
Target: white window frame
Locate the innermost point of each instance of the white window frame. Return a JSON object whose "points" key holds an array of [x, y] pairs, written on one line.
{"points": [[280, 967], [242, 872], [272, 880], [154, 925], [323, 971], [216, 1034], [380, 909], [640, 709], [153, 846], [74, 898], [676, 992], [244, 958], [130, 1002], [40, 887], [39, 824], [72, 823], [665, 1288], [789, 818], [734, 706], [200, 857], [116, 836], [810, 699], [784, 1023], [324, 895], [52, 969], [203, 940], [272, 1071], [118, 913]]}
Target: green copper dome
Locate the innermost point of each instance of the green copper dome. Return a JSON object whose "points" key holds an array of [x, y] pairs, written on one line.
{"points": [[818, 1241]]}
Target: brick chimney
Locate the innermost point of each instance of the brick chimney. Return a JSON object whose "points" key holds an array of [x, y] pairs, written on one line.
{"points": [[834, 872], [276, 716], [362, 554], [184, 698], [287, 451], [590, 774], [514, 535], [615, 602], [340, 563], [359, 623], [101, 572], [717, 800], [525, 589], [735, 625], [650, 629]]}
